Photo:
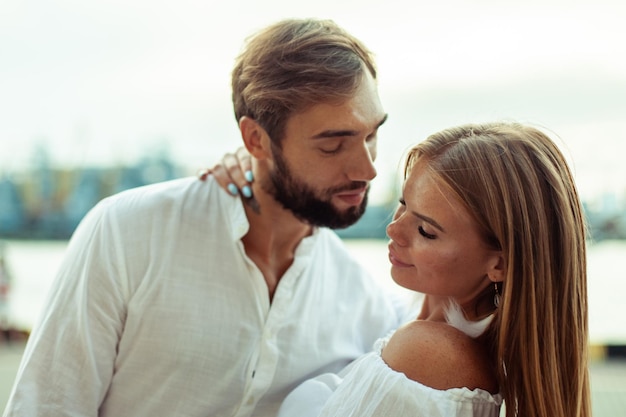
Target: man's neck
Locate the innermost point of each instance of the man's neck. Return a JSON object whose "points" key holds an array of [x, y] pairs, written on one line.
{"points": [[273, 237]]}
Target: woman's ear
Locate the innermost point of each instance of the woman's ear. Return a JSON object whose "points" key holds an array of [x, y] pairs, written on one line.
{"points": [[255, 138], [497, 268]]}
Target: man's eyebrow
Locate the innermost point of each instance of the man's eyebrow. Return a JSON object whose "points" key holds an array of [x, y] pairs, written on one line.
{"points": [[428, 220], [337, 133]]}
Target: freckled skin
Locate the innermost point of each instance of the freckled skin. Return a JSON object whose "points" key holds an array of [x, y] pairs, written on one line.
{"points": [[436, 249], [456, 261]]}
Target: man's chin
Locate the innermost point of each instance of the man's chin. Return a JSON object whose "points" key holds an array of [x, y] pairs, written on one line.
{"points": [[347, 217], [336, 219]]}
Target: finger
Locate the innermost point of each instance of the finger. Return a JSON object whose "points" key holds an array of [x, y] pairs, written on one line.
{"points": [[235, 172], [220, 174], [203, 173], [237, 175], [245, 162]]}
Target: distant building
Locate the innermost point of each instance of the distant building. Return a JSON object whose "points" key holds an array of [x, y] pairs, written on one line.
{"points": [[84, 195], [12, 218]]}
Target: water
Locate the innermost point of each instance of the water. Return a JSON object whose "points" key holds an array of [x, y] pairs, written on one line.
{"points": [[33, 265], [607, 292]]}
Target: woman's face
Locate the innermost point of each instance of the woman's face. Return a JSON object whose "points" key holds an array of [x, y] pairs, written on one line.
{"points": [[435, 245]]}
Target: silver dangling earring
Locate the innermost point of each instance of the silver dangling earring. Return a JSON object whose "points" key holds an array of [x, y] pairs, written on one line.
{"points": [[496, 297]]}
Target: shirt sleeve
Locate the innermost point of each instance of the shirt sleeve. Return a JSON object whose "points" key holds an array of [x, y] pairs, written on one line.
{"points": [[68, 362], [309, 397]]}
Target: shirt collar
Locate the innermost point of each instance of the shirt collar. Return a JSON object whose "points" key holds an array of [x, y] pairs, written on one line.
{"points": [[241, 225]]}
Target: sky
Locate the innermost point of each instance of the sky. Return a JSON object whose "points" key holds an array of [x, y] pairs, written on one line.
{"points": [[109, 82]]}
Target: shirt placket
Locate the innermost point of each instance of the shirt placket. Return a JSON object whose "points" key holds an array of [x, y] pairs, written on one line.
{"points": [[263, 370]]}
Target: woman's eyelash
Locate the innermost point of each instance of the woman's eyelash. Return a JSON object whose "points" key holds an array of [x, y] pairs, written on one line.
{"points": [[425, 234], [420, 228]]}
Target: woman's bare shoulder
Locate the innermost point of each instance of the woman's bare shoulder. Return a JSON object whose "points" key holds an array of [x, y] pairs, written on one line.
{"points": [[437, 355]]}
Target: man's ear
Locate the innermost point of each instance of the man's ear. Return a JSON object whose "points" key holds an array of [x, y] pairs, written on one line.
{"points": [[255, 138], [497, 268]]}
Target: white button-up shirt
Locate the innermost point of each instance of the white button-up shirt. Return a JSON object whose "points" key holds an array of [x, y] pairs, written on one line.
{"points": [[157, 311]]}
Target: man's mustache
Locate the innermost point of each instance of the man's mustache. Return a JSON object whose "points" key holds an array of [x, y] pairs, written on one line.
{"points": [[354, 185]]}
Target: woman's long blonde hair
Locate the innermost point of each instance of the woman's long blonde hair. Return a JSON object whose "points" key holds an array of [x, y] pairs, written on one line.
{"points": [[516, 183]]}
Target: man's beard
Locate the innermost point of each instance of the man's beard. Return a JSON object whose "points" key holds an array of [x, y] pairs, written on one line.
{"points": [[302, 201]]}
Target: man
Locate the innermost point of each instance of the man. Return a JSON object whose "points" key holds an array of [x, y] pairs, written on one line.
{"points": [[176, 299]]}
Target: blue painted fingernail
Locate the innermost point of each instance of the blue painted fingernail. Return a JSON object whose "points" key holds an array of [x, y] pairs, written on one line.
{"points": [[249, 176], [232, 188], [246, 191]]}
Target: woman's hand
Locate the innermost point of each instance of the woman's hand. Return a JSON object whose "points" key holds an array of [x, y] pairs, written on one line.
{"points": [[233, 173]]}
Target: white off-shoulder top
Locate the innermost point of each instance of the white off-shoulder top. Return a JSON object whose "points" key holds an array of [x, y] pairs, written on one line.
{"points": [[370, 388]]}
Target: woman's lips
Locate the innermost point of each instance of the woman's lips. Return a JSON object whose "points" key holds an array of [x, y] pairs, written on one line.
{"points": [[395, 261]]}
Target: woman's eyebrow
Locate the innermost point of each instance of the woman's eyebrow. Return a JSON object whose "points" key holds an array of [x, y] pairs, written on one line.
{"points": [[428, 220]]}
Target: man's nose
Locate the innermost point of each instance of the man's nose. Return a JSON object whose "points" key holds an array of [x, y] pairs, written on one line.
{"points": [[361, 166]]}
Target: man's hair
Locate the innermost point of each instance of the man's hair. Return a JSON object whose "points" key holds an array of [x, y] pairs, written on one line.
{"points": [[293, 64]]}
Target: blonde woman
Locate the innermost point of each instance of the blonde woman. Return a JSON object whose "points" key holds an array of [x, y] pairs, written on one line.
{"points": [[490, 228]]}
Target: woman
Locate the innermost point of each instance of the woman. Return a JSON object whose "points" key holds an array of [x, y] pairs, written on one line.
{"points": [[490, 228]]}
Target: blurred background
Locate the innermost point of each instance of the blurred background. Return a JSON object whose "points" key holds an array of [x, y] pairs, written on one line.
{"points": [[100, 96]]}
